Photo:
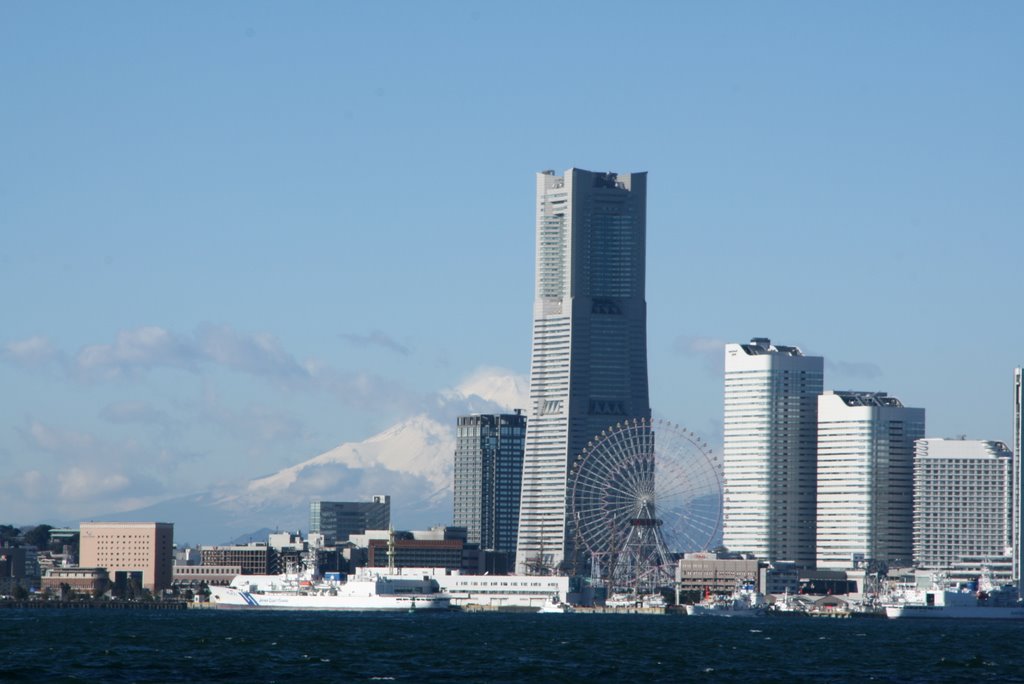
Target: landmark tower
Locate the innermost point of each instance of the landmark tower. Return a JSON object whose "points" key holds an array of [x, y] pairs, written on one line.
{"points": [[588, 367]]}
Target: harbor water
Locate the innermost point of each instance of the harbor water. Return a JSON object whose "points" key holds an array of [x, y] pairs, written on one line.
{"points": [[237, 646]]}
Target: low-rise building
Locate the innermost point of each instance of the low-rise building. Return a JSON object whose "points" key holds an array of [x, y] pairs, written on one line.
{"points": [[255, 558], [87, 581], [438, 547], [707, 572]]}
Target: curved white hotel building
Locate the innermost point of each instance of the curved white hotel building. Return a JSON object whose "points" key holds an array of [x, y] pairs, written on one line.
{"points": [[588, 366], [770, 445], [865, 478]]}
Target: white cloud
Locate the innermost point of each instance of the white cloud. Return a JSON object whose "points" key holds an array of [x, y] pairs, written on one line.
{"points": [[78, 484], [135, 412], [138, 349], [377, 338], [33, 484], [61, 442], [259, 354], [146, 348], [710, 351], [34, 351]]}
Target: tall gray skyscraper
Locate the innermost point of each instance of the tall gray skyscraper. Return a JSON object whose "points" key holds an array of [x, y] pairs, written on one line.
{"points": [[488, 478], [588, 367], [770, 450]]}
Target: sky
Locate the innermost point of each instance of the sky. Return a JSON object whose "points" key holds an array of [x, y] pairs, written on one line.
{"points": [[237, 234]]}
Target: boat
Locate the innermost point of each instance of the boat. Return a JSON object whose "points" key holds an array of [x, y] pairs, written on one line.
{"points": [[635, 601], [981, 600], [369, 589], [622, 601], [745, 601], [555, 606]]}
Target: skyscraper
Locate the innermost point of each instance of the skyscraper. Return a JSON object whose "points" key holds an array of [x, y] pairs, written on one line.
{"points": [[588, 367], [1017, 485], [962, 502], [770, 447], [488, 478], [865, 478]]}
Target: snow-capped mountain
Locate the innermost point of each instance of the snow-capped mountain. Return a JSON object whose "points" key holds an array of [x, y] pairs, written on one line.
{"points": [[411, 460]]}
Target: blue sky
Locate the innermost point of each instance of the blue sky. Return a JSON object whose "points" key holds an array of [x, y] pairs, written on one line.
{"points": [[238, 234]]}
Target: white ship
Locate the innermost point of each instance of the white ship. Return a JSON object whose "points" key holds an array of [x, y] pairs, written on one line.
{"points": [[367, 590], [744, 602], [555, 606], [984, 601]]}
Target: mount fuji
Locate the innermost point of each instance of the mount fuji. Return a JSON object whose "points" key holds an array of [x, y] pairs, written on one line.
{"points": [[412, 461]]}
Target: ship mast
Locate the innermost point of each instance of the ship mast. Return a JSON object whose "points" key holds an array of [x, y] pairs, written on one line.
{"points": [[391, 550]]}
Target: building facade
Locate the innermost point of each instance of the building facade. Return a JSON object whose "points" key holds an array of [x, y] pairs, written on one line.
{"points": [[336, 520], [704, 572], [438, 547], [255, 558], [488, 478], [127, 547], [588, 367], [90, 582], [770, 451], [963, 505], [865, 479]]}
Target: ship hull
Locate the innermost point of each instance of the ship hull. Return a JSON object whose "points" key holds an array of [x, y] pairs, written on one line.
{"points": [[705, 611], [956, 612], [229, 598]]}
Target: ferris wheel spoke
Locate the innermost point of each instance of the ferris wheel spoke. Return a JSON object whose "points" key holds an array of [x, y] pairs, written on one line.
{"points": [[686, 492], [611, 485], [673, 484]]}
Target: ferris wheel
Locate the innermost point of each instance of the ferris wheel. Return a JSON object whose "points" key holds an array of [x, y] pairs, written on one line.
{"points": [[641, 492]]}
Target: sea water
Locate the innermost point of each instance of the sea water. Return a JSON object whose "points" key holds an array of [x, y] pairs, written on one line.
{"points": [[229, 646]]}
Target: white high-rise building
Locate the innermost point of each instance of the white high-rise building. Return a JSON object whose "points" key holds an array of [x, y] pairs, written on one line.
{"points": [[865, 478], [770, 431], [589, 361], [962, 501]]}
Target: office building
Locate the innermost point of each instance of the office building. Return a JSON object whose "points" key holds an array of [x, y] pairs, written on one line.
{"points": [[129, 548], [963, 507], [588, 365], [865, 479], [336, 520], [488, 478], [254, 558], [770, 446]]}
